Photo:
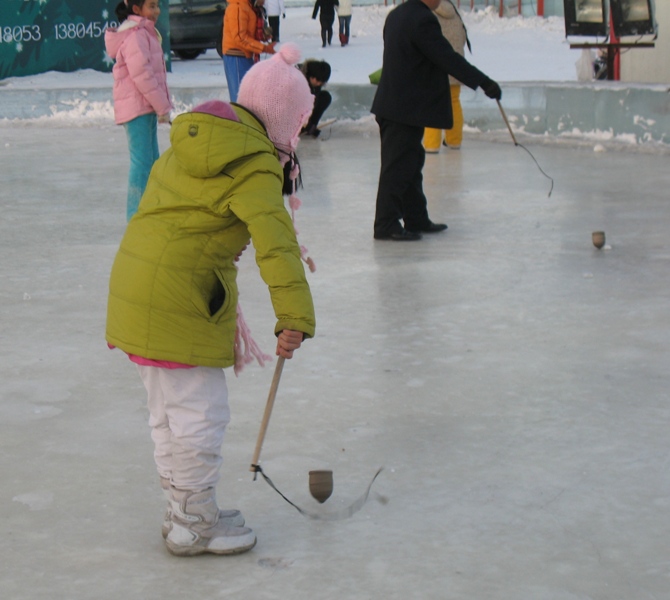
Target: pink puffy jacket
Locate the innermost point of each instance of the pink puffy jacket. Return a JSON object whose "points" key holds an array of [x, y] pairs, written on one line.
{"points": [[140, 81]]}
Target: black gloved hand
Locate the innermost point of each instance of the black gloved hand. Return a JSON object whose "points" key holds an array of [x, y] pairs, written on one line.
{"points": [[491, 89]]}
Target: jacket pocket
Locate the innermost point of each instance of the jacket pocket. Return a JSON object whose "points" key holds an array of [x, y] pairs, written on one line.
{"points": [[222, 297]]}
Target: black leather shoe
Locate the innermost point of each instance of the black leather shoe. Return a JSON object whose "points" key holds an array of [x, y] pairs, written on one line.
{"points": [[400, 236], [433, 227]]}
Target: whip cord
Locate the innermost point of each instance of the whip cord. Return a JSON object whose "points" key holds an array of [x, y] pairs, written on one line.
{"points": [[344, 513]]}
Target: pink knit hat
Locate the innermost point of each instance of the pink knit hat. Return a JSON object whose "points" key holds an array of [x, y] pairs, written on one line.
{"points": [[278, 94]]}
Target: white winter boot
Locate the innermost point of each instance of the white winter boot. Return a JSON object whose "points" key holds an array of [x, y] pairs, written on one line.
{"points": [[232, 518], [196, 527]]}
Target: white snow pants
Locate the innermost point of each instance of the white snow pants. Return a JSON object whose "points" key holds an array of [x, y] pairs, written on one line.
{"points": [[188, 415]]}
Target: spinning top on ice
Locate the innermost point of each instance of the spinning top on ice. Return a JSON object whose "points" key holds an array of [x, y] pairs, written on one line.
{"points": [[321, 485], [598, 238]]}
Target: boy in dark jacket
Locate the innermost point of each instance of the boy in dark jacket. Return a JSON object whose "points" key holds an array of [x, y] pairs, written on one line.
{"points": [[317, 73]]}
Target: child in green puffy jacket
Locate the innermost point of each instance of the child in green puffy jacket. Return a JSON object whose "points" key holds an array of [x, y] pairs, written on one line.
{"points": [[173, 294]]}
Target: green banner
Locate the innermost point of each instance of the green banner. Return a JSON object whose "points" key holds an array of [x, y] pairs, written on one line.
{"points": [[60, 35]]}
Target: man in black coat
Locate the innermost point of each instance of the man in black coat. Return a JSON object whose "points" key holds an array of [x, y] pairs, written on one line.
{"points": [[413, 93]]}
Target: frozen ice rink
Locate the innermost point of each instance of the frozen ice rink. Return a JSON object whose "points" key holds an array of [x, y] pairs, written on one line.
{"points": [[511, 379]]}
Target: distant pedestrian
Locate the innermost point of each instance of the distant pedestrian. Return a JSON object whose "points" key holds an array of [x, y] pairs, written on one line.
{"points": [[327, 18], [240, 44], [275, 9], [344, 18], [141, 97], [413, 93]]}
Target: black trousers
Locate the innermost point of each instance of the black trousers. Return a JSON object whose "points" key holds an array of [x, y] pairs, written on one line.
{"points": [[322, 100], [274, 23], [400, 194], [327, 28]]}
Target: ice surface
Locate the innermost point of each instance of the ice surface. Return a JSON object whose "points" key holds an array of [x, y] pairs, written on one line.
{"points": [[520, 407], [511, 378]]}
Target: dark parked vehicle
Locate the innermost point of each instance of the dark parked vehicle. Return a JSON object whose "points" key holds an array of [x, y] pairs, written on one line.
{"points": [[195, 26]]}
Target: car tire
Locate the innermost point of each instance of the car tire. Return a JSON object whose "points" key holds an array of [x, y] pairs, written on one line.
{"points": [[188, 54]]}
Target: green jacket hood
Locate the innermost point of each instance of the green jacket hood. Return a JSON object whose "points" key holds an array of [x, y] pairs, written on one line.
{"points": [[204, 144]]}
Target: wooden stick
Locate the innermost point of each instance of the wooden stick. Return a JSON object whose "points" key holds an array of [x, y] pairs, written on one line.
{"points": [[267, 413], [504, 116]]}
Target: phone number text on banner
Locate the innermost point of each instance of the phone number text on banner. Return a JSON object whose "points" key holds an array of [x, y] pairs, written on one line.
{"points": [[57, 35]]}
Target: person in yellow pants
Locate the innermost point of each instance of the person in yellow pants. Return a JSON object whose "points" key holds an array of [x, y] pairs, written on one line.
{"points": [[454, 31], [452, 137]]}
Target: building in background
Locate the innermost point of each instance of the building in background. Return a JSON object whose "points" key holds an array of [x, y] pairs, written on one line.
{"points": [[651, 65]]}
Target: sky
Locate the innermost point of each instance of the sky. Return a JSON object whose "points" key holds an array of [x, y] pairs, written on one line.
{"points": [[507, 50]]}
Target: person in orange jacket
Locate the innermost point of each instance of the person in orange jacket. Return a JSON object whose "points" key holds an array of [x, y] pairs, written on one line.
{"points": [[240, 43]]}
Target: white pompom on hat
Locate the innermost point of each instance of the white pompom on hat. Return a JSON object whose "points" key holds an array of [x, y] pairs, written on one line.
{"points": [[278, 94]]}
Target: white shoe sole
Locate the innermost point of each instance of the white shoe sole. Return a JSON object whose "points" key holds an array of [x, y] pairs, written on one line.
{"points": [[223, 545], [231, 518]]}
